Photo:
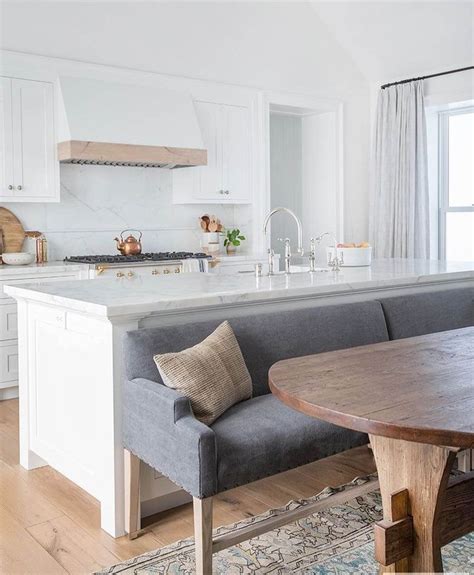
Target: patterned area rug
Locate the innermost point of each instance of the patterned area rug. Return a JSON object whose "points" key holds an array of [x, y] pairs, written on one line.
{"points": [[337, 541]]}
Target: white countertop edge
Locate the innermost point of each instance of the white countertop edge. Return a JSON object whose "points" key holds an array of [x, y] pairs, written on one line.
{"points": [[248, 296], [33, 270]]}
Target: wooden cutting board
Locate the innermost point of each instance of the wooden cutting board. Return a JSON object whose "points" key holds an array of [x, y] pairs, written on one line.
{"points": [[13, 232]]}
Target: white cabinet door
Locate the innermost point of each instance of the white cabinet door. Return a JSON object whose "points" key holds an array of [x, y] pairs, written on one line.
{"points": [[210, 177], [6, 138], [8, 365], [236, 153], [34, 146], [226, 133], [8, 322]]}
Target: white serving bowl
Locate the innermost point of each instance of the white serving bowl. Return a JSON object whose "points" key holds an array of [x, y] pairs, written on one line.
{"points": [[353, 257], [18, 258]]}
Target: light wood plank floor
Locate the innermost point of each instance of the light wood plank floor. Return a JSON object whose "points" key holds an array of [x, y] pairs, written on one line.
{"points": [[48, 525]]}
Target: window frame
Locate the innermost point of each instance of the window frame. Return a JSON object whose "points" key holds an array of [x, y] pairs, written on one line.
{"points": [[443, 175]]}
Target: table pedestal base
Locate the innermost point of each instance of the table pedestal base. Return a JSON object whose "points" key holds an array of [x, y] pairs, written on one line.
{"points": [[423, 470]]}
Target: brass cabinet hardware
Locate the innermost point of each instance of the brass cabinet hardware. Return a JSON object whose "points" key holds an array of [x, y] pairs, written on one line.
{"points": [[130, 274], [155, 273], [120, 274], [177, 270], [166, 271], [100, 269]]}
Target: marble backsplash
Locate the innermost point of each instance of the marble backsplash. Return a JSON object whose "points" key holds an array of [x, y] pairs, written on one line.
{"points": [[98, 202]]}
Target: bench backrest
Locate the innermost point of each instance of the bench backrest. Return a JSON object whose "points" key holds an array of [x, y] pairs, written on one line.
{"points": [[419, 314], [264, 338]]}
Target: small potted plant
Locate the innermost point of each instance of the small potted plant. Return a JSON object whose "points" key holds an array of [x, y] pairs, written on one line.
{"points": [[232, 240]]}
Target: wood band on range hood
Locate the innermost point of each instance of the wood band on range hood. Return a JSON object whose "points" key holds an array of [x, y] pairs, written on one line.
{"points": [[102, 153]]}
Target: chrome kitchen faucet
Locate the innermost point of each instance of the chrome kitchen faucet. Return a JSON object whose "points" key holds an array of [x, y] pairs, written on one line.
{"points": [[271, 253]]}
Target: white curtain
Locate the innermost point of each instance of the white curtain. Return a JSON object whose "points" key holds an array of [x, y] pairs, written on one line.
{"points": [[400, 202]]}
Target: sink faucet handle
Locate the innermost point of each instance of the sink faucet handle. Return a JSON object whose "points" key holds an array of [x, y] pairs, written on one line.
{"points": [[312, 255], [271, 254], [287, 243]]}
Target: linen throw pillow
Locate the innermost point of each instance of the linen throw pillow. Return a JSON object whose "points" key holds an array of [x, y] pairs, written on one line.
{"points": [[212, 374]]}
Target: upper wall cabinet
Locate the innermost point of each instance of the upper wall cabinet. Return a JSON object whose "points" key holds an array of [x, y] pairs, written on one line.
{"points": [[29, 171], [227, 178]]}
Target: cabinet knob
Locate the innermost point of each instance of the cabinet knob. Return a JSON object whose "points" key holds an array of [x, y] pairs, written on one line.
{"points": [[166, 271], [19, 187], [177, 271], [130, 274], [10, 187], [155, 273], [221, 192], [227, 192], [120, 274]]}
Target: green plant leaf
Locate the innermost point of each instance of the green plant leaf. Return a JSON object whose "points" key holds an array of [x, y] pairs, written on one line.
{"points": [[241, 237], [236, 243]]}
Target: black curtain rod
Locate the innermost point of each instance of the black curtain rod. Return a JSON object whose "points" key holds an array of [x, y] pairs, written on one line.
{"points": [[426, 77]]}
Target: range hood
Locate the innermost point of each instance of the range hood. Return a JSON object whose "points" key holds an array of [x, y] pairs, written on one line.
{"points": [[114, 124]]}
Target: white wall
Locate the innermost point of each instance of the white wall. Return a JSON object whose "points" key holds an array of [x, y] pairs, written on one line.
{"points": [[279, 46], [286, 157], [396, 39], [320, 202]]}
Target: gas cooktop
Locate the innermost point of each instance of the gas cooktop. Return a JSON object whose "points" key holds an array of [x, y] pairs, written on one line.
{"points": [[147, 257]]}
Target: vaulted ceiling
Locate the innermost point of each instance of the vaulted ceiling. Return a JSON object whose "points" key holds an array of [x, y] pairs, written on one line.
{"points": [[390, 40]]}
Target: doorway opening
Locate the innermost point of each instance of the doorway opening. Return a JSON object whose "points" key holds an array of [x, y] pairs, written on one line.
{"points": [[305, 171]]}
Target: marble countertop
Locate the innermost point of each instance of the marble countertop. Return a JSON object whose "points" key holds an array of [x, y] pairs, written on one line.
{"points": [[36, 269], [146, 295]]}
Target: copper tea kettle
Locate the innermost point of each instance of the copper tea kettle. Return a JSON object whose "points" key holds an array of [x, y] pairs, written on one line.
{"points": [[129, 246]]}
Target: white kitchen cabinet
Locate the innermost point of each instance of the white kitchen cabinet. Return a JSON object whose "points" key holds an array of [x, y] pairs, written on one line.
{"points": [[28, 161], [227, 178], [9, 319], [8, 365], [6, 141]]}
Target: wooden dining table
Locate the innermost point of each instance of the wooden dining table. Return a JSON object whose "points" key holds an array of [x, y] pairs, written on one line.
{"points": [[415, 399]]}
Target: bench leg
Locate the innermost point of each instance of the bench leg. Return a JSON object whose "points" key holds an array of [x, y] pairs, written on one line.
{"points": [[203, 535], [466, 460], [132, 494]]}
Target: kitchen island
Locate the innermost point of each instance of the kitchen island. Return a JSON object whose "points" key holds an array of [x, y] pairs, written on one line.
{"points": [[70, 338]]}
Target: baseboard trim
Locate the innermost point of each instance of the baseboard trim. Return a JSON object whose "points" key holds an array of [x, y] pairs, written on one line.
{"points": [[165, 502], [9, 393]]}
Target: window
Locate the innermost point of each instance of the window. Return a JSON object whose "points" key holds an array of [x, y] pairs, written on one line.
{"points": [[456, 184]]}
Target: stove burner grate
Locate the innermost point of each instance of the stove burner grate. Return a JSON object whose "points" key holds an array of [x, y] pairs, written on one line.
{"points": [[145, 257]]}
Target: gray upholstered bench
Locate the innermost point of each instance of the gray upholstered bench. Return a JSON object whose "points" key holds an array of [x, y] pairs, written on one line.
{"points": [[258, 437]]}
